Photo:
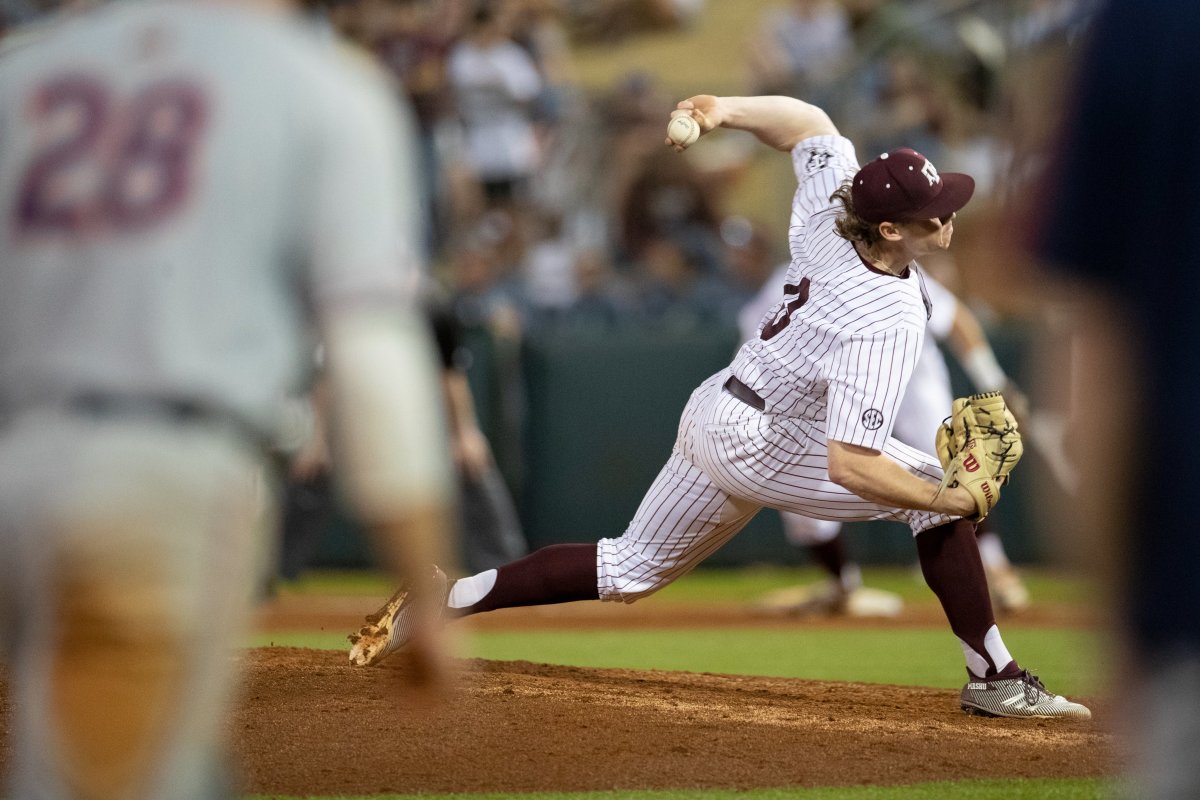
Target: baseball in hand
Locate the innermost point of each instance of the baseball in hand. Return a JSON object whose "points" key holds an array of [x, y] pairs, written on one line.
{"points": [[683, 130]]}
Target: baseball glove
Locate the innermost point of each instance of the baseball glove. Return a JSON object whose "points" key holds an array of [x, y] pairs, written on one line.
{"points": [[979, 446]]}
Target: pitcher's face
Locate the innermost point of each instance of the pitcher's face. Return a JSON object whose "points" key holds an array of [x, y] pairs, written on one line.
{"points": [[928, 235]]}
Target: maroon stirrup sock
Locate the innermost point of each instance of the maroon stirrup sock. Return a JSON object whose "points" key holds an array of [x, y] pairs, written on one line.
{"points": [[951, 565], [559, 573]]}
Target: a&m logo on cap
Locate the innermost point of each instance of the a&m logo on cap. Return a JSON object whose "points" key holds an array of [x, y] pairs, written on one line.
{"points": [[930, 172]]}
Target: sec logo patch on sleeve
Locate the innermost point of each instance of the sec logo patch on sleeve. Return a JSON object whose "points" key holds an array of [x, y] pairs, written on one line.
{"points": [[872, 419]]}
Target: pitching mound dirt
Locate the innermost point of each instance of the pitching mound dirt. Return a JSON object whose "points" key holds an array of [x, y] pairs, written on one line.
{"points": [[309, 724]]}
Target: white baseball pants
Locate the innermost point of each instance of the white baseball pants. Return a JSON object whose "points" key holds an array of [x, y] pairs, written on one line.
{"points": [[128, 553], [729, 461]]}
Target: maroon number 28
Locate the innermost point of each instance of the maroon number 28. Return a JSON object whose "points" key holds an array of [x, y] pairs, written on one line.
{"points": [[109, 163]]}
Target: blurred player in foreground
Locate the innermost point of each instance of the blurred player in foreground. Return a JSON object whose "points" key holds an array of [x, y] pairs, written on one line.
{"points": [[1133, 287], [190, 190], [926, 400], [801, 420]]}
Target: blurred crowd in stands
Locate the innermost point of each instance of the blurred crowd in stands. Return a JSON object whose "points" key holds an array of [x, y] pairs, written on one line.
{"points": [[552, 207]]}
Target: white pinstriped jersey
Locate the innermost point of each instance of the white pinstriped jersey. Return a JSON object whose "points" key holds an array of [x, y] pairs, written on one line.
{"points": [[184, 184], [840, 344], [927, 397]]}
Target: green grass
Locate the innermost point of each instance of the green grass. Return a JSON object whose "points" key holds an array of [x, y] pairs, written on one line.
{"points": [[914, 657], [876, 655], [340, 582], [1079, 789], [1064, 657], [742, 585], [729, 585]]}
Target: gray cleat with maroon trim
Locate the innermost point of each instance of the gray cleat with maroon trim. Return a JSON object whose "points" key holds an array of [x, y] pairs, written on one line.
{"points": [[1021, 696]]}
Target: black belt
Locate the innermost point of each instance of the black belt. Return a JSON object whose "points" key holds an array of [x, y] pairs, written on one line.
{"points": [[96, 404], [744, 393]]}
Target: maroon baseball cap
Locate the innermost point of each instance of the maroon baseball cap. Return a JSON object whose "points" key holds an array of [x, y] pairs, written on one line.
{"points": [[903, 186]]}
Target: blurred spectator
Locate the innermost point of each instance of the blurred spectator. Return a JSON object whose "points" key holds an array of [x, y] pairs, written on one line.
{"points": [[480, 294], [1032, 106], [749, 262], [966, 142], [495, 81], [667, 200], [603, 300], [675, 292], [539, 27], [613, 20], [631, 127], [412, 39], [563, 123], [930, 28], [800, 48], [898, 109], [549, 284]]}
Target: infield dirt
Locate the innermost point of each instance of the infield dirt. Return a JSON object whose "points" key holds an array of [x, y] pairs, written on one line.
{"points": [[309, 724]]}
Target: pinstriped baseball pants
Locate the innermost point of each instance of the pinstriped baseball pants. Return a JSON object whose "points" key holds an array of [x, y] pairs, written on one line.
{"points": [[729, 461]]}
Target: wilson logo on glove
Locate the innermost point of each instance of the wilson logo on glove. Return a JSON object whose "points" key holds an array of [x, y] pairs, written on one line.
{"points": [[983, 424]]}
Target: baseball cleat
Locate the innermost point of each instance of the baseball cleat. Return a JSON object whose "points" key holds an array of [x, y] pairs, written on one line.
{"points": [[828, 598], [1022, 696], [867, 602], [389, 628]]}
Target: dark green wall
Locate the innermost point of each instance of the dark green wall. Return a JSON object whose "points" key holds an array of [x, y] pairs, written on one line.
{"points": [[582, 423]]}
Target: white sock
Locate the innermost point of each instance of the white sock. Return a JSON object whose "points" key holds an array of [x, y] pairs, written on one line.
{"points": [[976, 664], [469, 591], [996, 650]]}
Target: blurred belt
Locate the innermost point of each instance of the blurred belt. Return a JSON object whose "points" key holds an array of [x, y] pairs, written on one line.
{"points": [[744, 393], [186, 412]]}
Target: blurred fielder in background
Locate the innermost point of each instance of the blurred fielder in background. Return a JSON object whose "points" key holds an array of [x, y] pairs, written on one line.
{"points": [[190, 191]]}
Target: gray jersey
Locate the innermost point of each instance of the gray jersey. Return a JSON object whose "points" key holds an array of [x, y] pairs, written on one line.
{"points": [[172, 219], [840, 343]]}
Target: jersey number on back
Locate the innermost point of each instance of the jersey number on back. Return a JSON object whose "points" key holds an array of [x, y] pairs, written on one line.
{"points": [[785, 314], [108, 162]]}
